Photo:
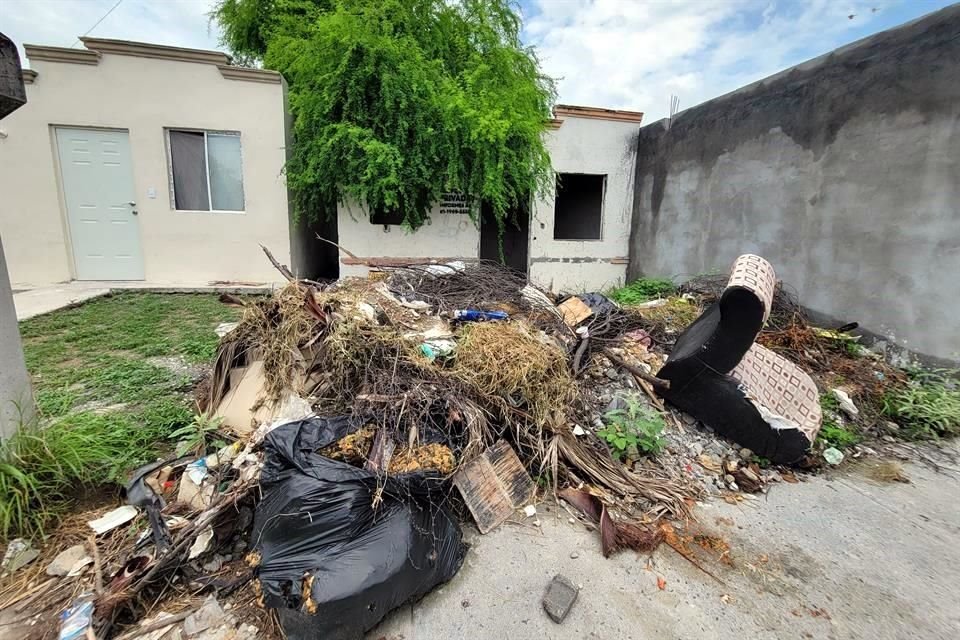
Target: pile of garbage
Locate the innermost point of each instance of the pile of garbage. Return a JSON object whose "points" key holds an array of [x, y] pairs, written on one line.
{"points": [[368, 418]]}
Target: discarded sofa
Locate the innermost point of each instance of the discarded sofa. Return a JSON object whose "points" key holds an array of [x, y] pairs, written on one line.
{"points": [[743, 390], [340, 547]]}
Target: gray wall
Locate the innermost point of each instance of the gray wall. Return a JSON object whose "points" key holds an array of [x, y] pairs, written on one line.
{"points": [[844, 172]]}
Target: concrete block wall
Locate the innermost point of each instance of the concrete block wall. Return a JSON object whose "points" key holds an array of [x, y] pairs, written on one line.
{"points": [[844, 172]]}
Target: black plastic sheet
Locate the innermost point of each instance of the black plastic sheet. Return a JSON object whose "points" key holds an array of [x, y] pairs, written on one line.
{"points": [[340, 546]]}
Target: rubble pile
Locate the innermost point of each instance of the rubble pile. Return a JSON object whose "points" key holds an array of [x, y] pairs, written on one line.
{"points": [[366, 419]]}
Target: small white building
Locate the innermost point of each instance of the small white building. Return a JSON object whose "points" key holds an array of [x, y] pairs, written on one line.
{"points": [[134, 161], [576, 238]]}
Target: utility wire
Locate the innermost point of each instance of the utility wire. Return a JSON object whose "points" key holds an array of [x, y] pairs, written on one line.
{"points": [[97, 23]]}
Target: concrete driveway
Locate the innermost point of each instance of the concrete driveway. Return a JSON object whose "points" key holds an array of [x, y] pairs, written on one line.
{"points": [[840, 557]]}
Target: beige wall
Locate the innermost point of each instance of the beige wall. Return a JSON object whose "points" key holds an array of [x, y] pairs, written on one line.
{"points": [[446, 235], [587, 145], [143, 96], [580, 145]]}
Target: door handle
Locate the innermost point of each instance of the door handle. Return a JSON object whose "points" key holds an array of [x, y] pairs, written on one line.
{"points": [[133, 204]]}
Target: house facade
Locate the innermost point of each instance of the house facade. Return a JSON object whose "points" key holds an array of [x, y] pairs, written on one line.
{"points": [[134, 161], [574, 238]]}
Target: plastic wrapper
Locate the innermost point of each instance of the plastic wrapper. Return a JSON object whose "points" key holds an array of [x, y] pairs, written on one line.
{"points": [[598, 303], [339, 546]]}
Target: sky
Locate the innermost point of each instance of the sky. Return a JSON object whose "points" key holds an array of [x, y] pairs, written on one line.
{"points": [[621, 54]]}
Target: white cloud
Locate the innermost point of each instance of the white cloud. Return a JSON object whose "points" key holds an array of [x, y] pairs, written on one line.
{"points": [[633, 54], [182, 23]]}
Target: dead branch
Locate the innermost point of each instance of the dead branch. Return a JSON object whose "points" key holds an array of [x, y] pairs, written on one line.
{"points": [[283, 269], [640, 373], [319, 237], [97, 567]]}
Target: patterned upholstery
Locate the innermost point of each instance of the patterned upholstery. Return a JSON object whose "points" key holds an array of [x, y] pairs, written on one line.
{"points": [[756, 274], [782, 387]]}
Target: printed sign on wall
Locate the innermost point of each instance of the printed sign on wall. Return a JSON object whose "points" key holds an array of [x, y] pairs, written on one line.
{"points": [[455, 203]]}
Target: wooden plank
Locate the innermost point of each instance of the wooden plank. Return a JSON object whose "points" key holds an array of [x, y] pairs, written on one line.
{"points": [[494, 485]]}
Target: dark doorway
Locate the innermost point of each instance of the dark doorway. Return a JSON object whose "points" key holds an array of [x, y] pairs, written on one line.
{"points": [[515, 236]]}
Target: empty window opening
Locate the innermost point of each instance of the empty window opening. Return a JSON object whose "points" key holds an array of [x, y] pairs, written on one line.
{"points": [[206, 171], [578, 206], [386, 216]]}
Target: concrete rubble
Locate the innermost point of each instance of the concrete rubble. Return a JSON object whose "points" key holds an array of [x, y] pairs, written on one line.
{"points": [[559, 599]]}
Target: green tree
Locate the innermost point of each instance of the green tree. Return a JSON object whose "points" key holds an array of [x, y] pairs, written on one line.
{"points": [[398, 101]]}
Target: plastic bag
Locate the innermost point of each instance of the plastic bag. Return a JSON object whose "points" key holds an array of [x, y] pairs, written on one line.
{"points": [[340, 546], [598, 303]]}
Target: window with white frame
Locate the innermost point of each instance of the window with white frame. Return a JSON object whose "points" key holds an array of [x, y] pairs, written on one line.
{"points": [[206, 173]]}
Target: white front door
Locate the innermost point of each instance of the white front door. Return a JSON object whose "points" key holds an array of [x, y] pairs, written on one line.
{"points": [[98, 189]]}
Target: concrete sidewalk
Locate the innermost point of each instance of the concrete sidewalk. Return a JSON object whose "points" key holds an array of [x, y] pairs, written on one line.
{"points": [[829, 558], [33, 301]]}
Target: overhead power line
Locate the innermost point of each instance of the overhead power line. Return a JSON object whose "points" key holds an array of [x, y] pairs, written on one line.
{"points": [[97, 23]]}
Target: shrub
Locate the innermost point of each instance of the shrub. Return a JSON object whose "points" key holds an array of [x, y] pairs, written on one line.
{"points": [[643, 290], [636, 426], [928, 407]]}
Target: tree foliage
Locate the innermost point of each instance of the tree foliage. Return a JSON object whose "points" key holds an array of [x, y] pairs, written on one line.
{"points": [[397, 101]]}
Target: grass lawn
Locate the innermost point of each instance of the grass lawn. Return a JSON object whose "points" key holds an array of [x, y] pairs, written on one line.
{"points": [[112, 379]]}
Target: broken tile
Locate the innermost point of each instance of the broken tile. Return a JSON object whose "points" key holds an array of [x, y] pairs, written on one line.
{"points": [[19, 553]]}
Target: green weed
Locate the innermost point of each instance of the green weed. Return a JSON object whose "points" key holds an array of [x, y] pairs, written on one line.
{"points": [[95, 354], [638, 426], [43, 467], [929, 407], [643, 290], [197, 436], [831, 431], [829, 403], [838, 436]]}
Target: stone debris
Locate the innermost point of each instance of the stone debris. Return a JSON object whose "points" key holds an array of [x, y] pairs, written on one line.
{"points": [[69, 561], [210, 614], [559, 598], [833, 456], [846, 403]]}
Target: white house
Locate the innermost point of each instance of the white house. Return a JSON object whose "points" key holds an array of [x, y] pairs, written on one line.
{"points": [[576, 238], [134, 161]]}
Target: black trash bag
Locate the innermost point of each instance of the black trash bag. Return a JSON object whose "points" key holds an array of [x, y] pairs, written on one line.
{"points": [[316, 528]]}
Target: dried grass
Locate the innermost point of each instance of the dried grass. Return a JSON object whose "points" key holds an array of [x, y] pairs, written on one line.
{"points": [[275, 331], [429, 457], [664, 323], [887, 471], [507, 360]]}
